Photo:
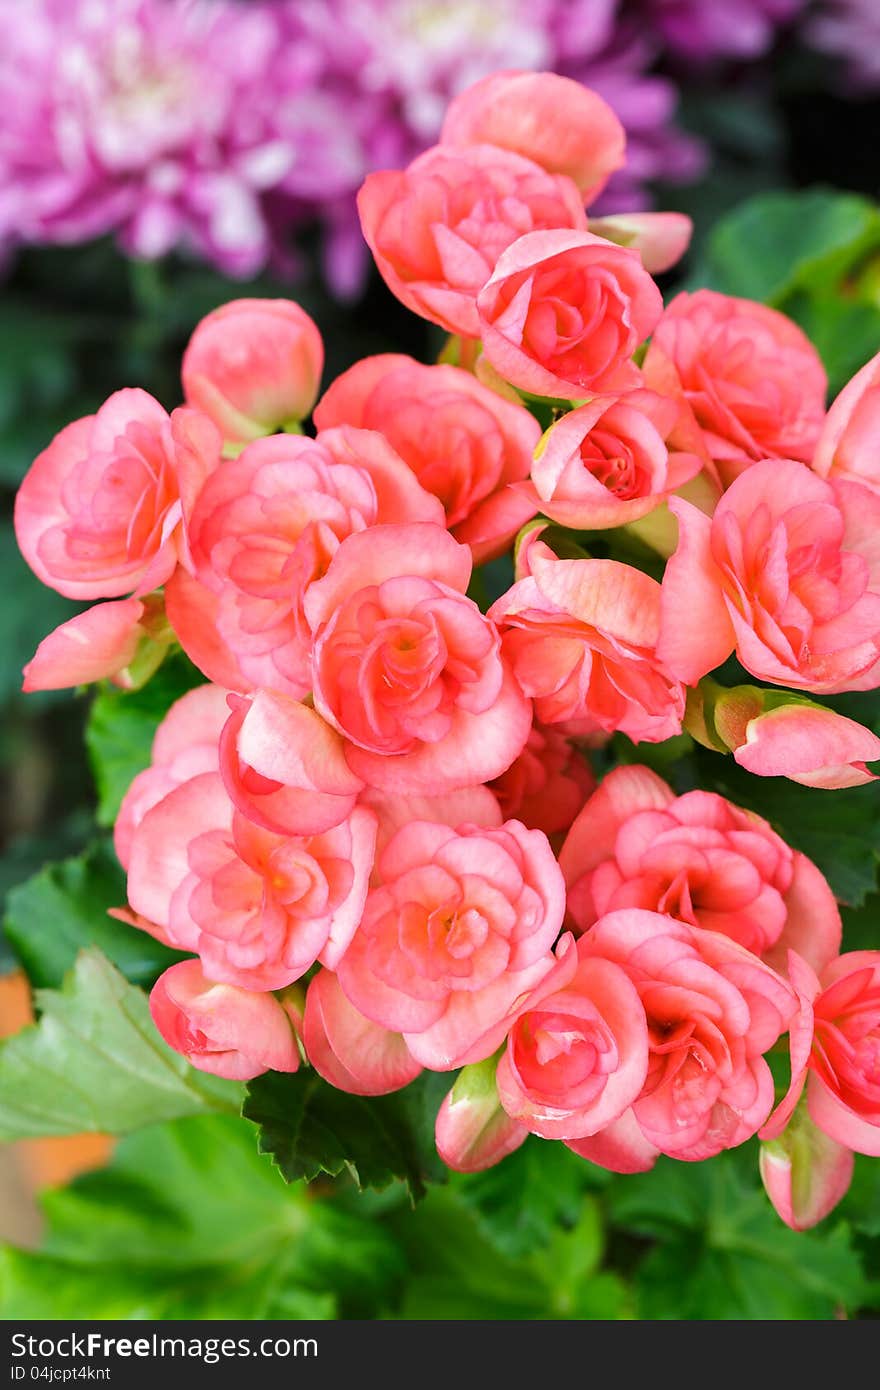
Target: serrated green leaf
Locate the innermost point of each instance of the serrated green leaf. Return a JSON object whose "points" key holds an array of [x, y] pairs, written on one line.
{"points": [[121, 727], [63, 908], [95, 1062], [524, 1200], [191, 1222], [309, 1128], [723, 1253]]}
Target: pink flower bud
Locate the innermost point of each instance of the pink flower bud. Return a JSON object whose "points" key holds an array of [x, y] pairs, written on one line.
{"points": [[805, 1173], [350, 1051], [473, 1132], [253, 366], [220, 1028]]}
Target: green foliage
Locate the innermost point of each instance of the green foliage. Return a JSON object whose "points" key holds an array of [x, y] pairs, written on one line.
{"points": [[94, 1062], [534, 1192], [121, 726], [29, 611], [63, 908], [190, 1222], [309, 1128], [808, 253], [722, 1253]]}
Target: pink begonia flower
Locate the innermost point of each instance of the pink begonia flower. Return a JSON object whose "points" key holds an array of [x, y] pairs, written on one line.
{"points": [[253, 366], [221, 1029], [185, 744], [457, 935], [843, 1088], [437, 228], [258, 908], [805, 1173], [581, 637], [284, 767], [713, 1010], [787, 573], [613, 460], [407, 668], [700, 859], [849, 444], [563, 313], [472, 1131], [103, 510], [806, 743], [350, 1051], [548, 783], [97, 644], [578, 1058], [555, 121], [661, 238], [265, 528], [754, 381], [463, 442]]}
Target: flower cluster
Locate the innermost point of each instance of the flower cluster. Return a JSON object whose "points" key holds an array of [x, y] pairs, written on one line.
{"points": [[375, 831]]}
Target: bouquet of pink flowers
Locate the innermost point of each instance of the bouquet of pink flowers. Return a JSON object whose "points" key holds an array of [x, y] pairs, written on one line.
{"points": [[378, 832]]}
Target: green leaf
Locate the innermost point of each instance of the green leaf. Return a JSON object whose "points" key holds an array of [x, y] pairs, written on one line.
{"points": [[63, 908], [844, 331], [778, 242], [722, 1253], [190, 1221], [121, 727], [95, 1062], [524, 1200], [839, 830], [309, 1128]]}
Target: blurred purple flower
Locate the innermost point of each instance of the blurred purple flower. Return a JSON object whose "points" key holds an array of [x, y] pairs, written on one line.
{"points": [[701, 30], [850, 30], [219, 126]]}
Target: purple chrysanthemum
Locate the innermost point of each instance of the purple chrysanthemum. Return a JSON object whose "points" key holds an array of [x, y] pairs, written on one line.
{"points": [[219, 126]]}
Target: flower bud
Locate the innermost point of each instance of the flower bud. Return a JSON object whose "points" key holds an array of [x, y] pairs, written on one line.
{"points": [[473, 1131]]}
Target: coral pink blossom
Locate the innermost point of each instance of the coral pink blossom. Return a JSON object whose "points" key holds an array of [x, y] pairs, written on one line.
{"points": [[348, 1050], [849, 445], [547, 784], [98, 644], [578, 1059], [458, 933], [265, 528], [754, 381], [806, 743], [843, 1089], [407, 668], [612, 461], [564, 312], [103, 510], [258, 908], [805, 1174], [185, 744], [557, 122], [472, 1131], [712, 1009], [787, 573], [700, 859], [463, 442], [253, 366], [581, 637], [661, 238], [220, 1029], [437, 229], [284, 766]]}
